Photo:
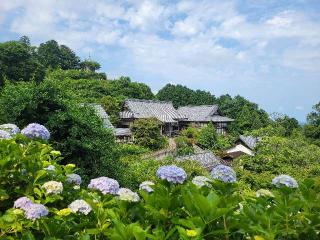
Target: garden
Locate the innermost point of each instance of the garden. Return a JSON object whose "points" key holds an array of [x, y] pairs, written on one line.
{"points": [[40, 198]]}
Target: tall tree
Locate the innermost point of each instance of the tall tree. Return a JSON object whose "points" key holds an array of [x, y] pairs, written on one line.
{"points": [[19, 62], [312, 128], [181, 96], [90, 65], [55, 56]]}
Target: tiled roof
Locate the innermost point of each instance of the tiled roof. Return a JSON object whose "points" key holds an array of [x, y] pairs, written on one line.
{"points": [[203, 113], [163, 111], [102, 114], [250, 141]]}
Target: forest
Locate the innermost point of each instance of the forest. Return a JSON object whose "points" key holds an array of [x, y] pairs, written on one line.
{"points": [[63, 153]]}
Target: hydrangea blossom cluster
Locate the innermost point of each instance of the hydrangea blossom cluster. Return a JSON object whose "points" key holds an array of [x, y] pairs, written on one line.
{"points": [[284, 180], [22, 203], [4, 135], [53, 187], [172, 174], [31, 210], [35, 211], [264, 193], [73, 179], [104, 185], [146, 186], [35, 130], [126, 194], [224, 173], [80, 206], [50, 168], [201, 181], [12, 129]]}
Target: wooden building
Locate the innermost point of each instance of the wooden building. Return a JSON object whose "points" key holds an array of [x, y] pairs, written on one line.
{"points": [[168, 116], [243, 145], [198, 116]]}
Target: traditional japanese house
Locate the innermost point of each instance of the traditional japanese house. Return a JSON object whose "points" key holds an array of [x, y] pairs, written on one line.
{"points": [[201, 115], [243, 145], [167, 115]]}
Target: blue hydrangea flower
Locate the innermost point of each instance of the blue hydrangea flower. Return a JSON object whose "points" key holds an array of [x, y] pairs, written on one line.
{"points": [[80, 206], [146, 186], [284, 180], [22, 203], [73, 179], [12, 129], [50, 168], [224, 173], [201, 181], [126, 194], [172, 174], [4, 135], [104, 185], [35, 130], [35, 211]]}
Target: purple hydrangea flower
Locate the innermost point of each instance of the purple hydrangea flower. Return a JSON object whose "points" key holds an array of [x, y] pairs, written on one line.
{"points": [[4, 135], [22, 203], [35, 211], [12, 129], [104, 185], [80, 206], [284, 180], [50, 168], [35, 130], [146, 186], [224, 173], [172, 174], [73, 179]]}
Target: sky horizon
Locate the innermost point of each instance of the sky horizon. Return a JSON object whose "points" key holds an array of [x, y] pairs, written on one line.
{"points": [[267, 51]]}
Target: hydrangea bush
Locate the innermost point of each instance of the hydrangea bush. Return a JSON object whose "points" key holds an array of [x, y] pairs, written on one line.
{"points": [[38, 203]]}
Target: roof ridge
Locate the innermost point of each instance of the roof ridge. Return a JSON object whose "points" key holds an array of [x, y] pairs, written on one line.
{"points": [[202, 105], [147, 100]]}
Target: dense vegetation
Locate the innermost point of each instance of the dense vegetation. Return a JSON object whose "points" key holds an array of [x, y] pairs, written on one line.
{"points": [[50, 85]]}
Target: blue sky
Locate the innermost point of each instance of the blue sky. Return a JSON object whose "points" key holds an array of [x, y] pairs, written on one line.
{"points": [[265, 50]]}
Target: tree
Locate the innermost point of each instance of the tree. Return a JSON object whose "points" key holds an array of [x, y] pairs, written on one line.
{"points": [[90, 65], [312, 128], [52, 55], [112, 105], [208, 137], [75, 130], [181, 96], [146, 133], [288, 123], [18, 62]]}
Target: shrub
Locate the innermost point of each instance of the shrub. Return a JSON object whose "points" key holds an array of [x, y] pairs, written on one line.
{"points": [[184, 146], [76, 131], [184, 210], [208, 137], [147, 133]]}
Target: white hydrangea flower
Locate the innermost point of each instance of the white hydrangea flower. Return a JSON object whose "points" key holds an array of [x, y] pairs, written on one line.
{"points": [[80, 206], [53, 187], [201, 181], [146, 186], [126, 194]]}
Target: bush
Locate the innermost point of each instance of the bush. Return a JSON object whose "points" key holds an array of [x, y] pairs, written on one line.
{"points": [[184, 146], [147, 133], [172, 211], [208, 137], [76, 131]]}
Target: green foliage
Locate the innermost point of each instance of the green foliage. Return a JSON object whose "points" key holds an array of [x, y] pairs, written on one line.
{"points": [[312, 128], [248, 115], [139, 170], [112, 105], [288, 123], [171, 211], [181, 96], [131, 149], [147, 133], [19, 62], [208, 137], [53, 55], [90, 65], [277, 155], [76, 131], [62, 75], [184, 146]]}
